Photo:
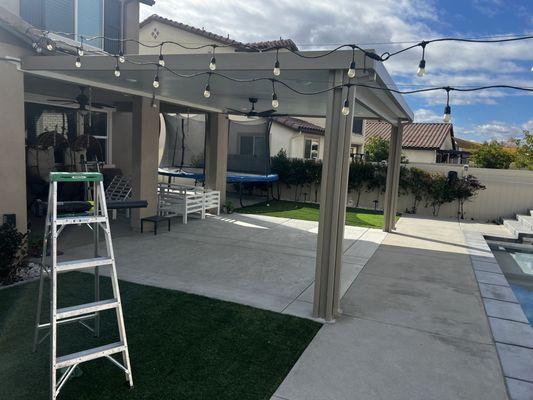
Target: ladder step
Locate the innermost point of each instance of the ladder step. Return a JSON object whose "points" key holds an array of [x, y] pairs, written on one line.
{"points": [[89, 219], [83, 263], [90, 354], [87, 308]]}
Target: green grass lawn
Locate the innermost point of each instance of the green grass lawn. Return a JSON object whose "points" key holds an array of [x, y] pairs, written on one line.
{"points": [[310, 212], [182, 346]]}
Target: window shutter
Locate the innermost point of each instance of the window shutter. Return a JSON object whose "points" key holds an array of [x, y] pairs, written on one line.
{"points": [[112, 25]]}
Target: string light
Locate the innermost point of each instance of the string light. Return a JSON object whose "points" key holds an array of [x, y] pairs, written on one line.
{"points": [[207, 90], [351, 70], [447, 109], [346, 107], [117, 69], [49, 45], [155, 83], [78, 62], [422, 64], [121, 58], [213, 62], [276, 71], [275, 101], [161, 60]]}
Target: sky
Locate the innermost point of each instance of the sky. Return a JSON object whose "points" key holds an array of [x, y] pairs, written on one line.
{"points": [[381, 24]]}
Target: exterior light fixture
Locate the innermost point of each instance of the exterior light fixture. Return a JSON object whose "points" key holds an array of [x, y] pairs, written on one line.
{"points": [[447, 110], [78, 62], [207, 91], [351, 70], [276, 71], [161, 60], [422, 64], [275, 101], [346, 107], [155, 83], [121, 58]]}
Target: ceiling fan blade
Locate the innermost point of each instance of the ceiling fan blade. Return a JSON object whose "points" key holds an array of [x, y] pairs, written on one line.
{"points": [[62, 100], [234, 111], [101, 105], [266, 113]]}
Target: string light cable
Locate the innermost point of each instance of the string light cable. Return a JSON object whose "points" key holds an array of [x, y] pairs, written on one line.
{"points": [[51, 45]]}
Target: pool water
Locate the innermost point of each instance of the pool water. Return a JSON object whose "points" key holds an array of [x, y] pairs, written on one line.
{"points": [[524, 296]]}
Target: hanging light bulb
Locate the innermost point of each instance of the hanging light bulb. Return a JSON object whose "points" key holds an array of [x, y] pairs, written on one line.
{"points": [[117, 71], [276, 71], [161, 60], [38, 48], [351, 70], [49, 45], [80, 51], [447, 114], [422, 64], [213, 64], [275, 101], [121, 58], [421, 68], [207, 91], [345, 108], [78, 62], [155, 83]]}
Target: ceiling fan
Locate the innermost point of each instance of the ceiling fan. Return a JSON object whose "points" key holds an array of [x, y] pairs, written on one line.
{"points": [[83, 101], [252, 112]]}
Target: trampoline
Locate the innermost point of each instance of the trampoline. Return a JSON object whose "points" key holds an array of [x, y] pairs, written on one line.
{"points": [[182, 142]]}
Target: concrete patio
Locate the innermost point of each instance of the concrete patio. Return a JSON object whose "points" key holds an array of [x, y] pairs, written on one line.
{"points": [[264, 262]]}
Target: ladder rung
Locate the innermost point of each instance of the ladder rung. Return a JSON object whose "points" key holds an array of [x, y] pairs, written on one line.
{"points": [[83, 263], [80, 220], [87, 308], [90, 354], [67, 321]]}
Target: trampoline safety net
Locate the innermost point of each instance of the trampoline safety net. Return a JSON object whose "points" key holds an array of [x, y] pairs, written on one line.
{"points": [[182, 144]]}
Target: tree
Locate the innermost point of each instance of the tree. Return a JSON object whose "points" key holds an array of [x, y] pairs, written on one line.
{"points": [[492, 155], [418, 182], [360, 174], [377, 149], [439, 192], [464, 189], [524, 152]]}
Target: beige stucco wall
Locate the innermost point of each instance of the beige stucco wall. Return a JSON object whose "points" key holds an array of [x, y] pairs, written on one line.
{"points": [[12, 144], [420, 156], [167, 32]]}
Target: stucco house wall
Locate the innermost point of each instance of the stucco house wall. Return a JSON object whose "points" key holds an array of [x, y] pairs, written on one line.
{"points": [[420, 156]]}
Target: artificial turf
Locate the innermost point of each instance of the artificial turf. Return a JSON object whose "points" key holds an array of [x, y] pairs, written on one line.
{"points": [[182, 346], [311, 212]]}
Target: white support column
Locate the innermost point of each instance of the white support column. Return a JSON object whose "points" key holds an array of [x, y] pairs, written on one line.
{"points": [[216, 153], [145, 154], [334, 189], [393, 178]]}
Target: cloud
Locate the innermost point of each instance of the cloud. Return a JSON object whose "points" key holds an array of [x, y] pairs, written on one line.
{"points": [[497, 130], [425, 115]]}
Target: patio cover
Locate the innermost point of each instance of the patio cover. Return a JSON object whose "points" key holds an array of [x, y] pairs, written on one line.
{"points": [[305, 75]]}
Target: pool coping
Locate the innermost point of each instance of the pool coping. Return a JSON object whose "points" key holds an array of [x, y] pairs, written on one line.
{"points": [[510, 329]]}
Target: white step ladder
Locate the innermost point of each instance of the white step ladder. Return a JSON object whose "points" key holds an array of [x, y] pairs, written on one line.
{"points": [[55, 223]]}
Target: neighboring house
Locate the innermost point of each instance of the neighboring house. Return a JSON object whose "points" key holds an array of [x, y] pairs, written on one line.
{"points": [[39, 111], [422, 142], [299, 137]]}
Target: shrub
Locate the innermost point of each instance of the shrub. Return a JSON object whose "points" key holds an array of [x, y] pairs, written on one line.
{"points": [[439, 192], [360, 174], [11, 250], [464, 189], [418, 183]]}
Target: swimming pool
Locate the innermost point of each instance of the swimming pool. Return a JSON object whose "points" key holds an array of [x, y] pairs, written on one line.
{"points": [[517, 265]]}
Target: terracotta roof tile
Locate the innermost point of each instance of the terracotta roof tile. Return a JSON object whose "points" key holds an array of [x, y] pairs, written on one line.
{"points": [[260, 46], [300, 125], [415, 135]]}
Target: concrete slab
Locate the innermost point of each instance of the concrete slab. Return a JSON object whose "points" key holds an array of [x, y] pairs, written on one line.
{"points": [[491, 278], [505, 310], [432, 307], [497, 292], [519, 390], [512, 332], [360, 359], [517, 362]]}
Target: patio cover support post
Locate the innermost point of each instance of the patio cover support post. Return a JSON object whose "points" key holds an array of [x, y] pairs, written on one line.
{"points": [[333, 193], [216, 153], [393, 178], [145, 149]]}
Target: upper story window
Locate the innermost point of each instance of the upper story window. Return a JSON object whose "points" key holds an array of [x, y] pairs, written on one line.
{"points": [[357, 127], [75, 18], [311, 149]]}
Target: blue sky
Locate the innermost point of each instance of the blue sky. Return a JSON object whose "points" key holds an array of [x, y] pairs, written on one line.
{"points": [[313, 24]]}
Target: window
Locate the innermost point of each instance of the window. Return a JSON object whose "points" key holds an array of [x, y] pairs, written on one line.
{"points": [[82, 17], [357, 126], [311, 149], [253, 146]]}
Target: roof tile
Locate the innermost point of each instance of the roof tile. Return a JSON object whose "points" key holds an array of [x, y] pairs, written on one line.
{"points": [[415, 135]]}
